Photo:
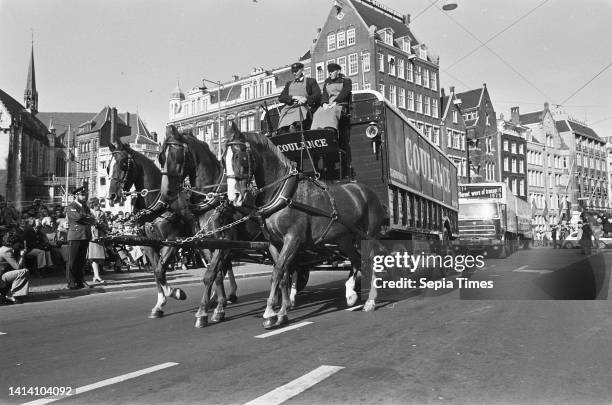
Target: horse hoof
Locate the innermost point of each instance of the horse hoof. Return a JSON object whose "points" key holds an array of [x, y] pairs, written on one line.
{"points": [[232, 299], [178, 294], [269, 323], [156, 313], [217, 317], [201, 322], [282, 320], [351, 299], [369, 306], [291, 304]]}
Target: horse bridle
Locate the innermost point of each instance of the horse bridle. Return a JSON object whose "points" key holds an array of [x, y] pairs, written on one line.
{"points": [[250, 162], [126, 171], [186, 154]]}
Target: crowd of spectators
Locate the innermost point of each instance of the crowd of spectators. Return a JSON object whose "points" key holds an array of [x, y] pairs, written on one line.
{"points": [[41, 232]]}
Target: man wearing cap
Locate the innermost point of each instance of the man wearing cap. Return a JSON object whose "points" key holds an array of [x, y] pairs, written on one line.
{"points": [[80, 220], [335, 99], [14, 277], [301, 97]]}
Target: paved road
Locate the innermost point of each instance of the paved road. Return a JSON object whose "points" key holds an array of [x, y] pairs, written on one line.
{"points": [[427, 348]]}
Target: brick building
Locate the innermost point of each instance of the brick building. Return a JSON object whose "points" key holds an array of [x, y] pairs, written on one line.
{"points": [[513, 153], [482, 136], [453, 133]]}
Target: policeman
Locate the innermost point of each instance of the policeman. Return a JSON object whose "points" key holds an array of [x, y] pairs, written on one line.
{"points": [[80, 220], [301, 97]]}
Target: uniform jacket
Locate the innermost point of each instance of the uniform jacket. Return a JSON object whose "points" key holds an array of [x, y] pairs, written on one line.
{"points": [[312, 88], [80, 220], [345, 93]]}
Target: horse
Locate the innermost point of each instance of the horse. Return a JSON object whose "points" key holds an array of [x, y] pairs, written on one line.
{"points": [[184, 156], [299, 213], [129, 168]]}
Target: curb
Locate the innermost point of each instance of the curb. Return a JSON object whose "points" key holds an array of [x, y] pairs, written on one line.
{"points": [[34, 296]]}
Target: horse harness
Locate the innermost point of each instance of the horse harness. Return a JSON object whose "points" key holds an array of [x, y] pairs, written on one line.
{"points": [[284, 197]]}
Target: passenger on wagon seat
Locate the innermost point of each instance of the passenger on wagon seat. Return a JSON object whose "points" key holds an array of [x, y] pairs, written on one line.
{"points": [[301, 97], [335, 99]]}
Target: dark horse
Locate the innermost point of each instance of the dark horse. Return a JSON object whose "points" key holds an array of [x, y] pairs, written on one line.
{"points": [[184, 156], [129, 168], [292, 207]]}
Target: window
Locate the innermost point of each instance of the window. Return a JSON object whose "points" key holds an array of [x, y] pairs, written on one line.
{"points": [[426, 105], [355, 86], [513, 147], [401, 98], [521, 167], [410, 77], [520, 149], [342, 63], [434, 81], [426, 77], [392, 94], [449, 138], [391, 61], [506, 143], [367, 86], [423, 52], [365, 60], [307, 72], [400, 68], [428, 132], [419, 103], [341, 39], [388, 37], [246, 91], [506, 164], [381, 89], [455, 117], [434, 107], [350, 37], [418, 75], [320, 72], [406, 45], [353, 64], [331, 42], [381, 62], [514, 168], [436, 135], [410, 104]]}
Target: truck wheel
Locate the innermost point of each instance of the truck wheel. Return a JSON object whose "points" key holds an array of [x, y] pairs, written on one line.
{"points": [[503, 253], [568, 245], [602, 245]]}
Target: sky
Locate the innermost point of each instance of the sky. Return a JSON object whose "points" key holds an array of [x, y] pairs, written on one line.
{"points": [[132, 53]]}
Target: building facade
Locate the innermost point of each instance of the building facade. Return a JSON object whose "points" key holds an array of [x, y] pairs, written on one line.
{"points": [[482, 135], [454, 134], [548, 167], [513, 153]]}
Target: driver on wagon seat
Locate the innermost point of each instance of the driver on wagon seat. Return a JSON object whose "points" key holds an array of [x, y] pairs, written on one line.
{"points": [[301, 97]]}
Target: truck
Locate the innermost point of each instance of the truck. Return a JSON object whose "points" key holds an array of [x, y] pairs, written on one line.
{"points": [[492, 219]]}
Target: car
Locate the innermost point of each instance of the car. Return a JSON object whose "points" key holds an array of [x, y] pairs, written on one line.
{"points": [[571, 241]]}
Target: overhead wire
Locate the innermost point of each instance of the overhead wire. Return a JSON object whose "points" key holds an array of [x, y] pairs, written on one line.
{"points": [[587, 83], [493, 52]]}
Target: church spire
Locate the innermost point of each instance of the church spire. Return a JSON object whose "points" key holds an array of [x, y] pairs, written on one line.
{"points": [[30, 96]]}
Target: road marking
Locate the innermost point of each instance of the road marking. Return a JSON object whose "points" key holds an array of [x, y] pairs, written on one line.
{"points": [[282, 330], [540, 271], [355, 308], [521, 268], [480, 309], [295, 387], [104, 383], [2, 333], [589, 333]]}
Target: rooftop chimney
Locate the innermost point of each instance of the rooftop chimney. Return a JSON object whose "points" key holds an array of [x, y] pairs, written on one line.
{"points": [[451, 89], [127, 118], [515, 116], [407, 19]]}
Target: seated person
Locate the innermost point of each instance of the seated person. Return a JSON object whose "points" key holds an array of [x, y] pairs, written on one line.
{"points": [[335, 99], [38, 246], [301, 97], [14, 278]]}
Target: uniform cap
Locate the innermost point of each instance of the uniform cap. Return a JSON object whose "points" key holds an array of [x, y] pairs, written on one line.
{"points": [[80, 190], [332, 67], [297, 66]]}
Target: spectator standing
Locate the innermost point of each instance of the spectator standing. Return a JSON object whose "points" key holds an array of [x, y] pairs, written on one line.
{"points": [[553, 234], [96, 252], [80, 220]]}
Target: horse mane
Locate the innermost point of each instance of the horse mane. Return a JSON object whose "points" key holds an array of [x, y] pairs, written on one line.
{"points": [[196, 144], [262, 139], [147, 163]]}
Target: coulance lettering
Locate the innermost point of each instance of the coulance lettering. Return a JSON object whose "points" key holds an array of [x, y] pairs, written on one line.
{"points": [[294, 146]]}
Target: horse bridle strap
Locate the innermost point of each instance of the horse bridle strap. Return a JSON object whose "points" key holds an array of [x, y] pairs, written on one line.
{"points": [[126, 172], [250, 160]]}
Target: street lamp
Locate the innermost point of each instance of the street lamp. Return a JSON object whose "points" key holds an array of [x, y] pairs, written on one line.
{"points": [[218, 83]]}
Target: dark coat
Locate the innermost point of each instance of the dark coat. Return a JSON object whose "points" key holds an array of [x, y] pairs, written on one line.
{"points": [[345, 93], [80, 220], [312, 88]]}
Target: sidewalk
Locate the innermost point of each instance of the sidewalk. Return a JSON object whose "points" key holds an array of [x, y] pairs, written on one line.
{"points": [[53, 285]]}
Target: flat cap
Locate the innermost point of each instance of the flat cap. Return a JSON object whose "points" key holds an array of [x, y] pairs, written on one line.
{"points": [[297, 66], [332, 67]]}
